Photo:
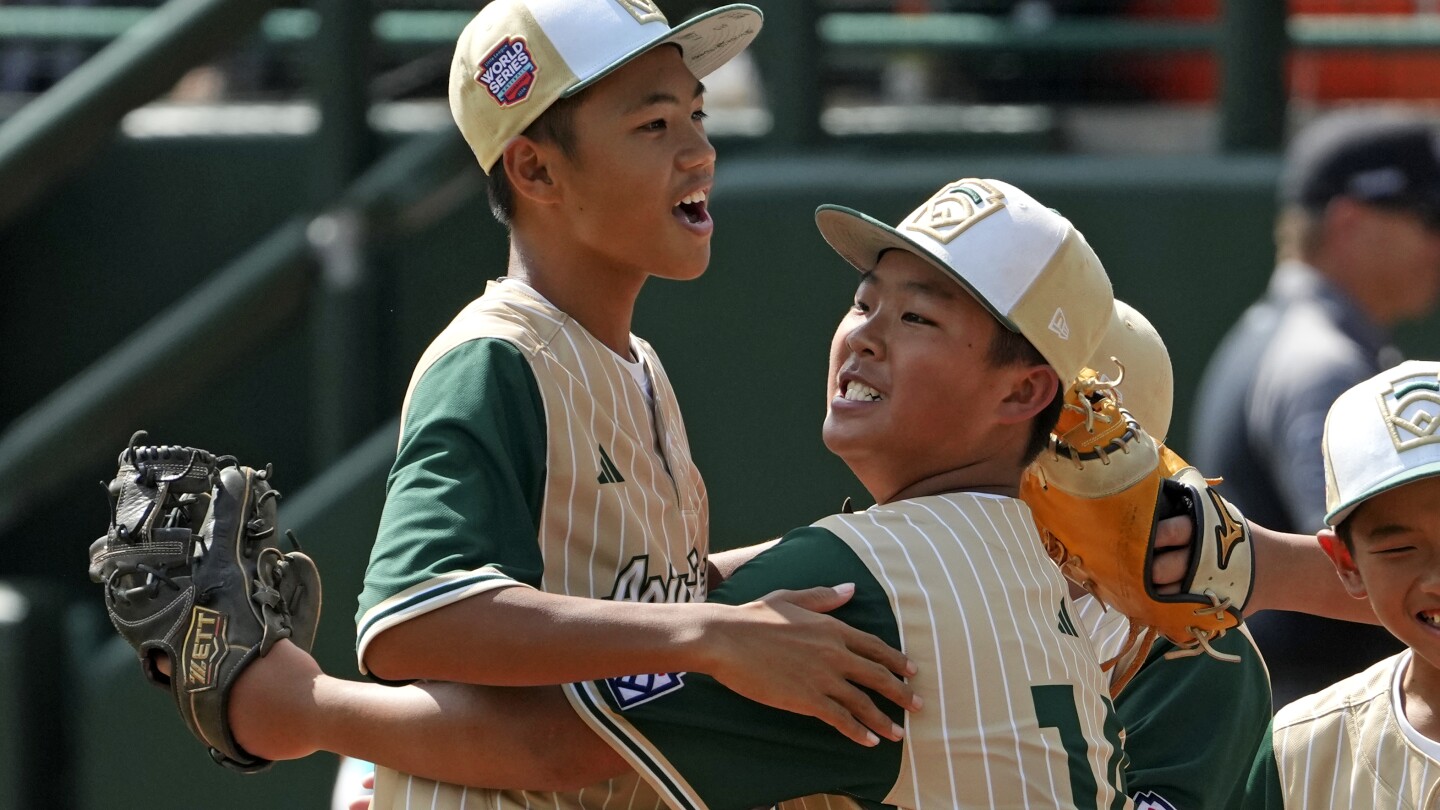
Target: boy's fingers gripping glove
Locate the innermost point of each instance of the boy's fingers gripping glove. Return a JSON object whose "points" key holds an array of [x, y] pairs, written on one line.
{"points": [[192, 571], [1097, 494]]}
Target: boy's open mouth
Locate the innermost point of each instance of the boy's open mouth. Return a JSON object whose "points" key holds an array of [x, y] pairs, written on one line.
{"points": [[691, 209], [1430, 617]]}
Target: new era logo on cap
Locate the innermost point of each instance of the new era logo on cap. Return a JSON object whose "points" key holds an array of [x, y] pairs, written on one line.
{"points": [[1059, 325], [1381, 434]]}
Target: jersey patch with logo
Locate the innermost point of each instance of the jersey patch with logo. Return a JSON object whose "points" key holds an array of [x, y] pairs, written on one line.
{"points": [[1150, 800], [508, 72], [632, 690]]}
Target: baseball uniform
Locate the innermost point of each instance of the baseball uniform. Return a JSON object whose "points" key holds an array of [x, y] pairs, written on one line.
{"points": [[531, 457], [1351, 746], [1016, 713], [1174, 704]]}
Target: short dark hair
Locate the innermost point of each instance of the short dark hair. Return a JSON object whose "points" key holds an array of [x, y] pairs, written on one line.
{"points": [[1009, 348], [556, 125], [1343, 530]]}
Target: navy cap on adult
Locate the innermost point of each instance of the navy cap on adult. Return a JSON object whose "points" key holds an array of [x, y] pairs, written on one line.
{"points": [[1384, 157]]}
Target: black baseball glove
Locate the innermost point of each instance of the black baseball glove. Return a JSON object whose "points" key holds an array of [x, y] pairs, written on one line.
{"points": [[192, 571]]}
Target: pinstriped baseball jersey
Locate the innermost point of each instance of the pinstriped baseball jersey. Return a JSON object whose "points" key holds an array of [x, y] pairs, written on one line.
{"points": [[1344, 747], [530, 457], [1016, 711]]}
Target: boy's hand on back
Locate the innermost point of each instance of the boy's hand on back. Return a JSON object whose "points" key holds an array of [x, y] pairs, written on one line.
{"points": [[781, 650]]}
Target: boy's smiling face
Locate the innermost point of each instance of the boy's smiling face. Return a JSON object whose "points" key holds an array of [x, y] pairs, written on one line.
{"points": [[1396, 563], [912, 393], [636, 186]]}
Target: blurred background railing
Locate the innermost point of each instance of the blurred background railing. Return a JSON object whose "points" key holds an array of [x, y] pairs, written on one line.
{"points": [[236, 223]]}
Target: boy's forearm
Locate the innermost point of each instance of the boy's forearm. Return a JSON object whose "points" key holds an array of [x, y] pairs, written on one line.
{"points": [[524, 637], [517, 739], [1293, 573]]}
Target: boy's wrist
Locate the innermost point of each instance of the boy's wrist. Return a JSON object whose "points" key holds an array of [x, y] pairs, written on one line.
{"points": [[697, 636]]}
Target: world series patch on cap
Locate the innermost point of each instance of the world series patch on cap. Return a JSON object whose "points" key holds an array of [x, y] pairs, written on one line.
{"points": [[1381, 434], [517, 57], [1025, 263]]}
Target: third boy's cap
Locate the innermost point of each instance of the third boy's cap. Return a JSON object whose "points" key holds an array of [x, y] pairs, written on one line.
{"points": [[517, 57], [1381, 434], [1025, 263]]}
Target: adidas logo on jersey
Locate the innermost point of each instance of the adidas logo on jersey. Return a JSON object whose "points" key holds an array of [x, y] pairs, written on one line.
{"points": [[1065, 625], [609, 473]]}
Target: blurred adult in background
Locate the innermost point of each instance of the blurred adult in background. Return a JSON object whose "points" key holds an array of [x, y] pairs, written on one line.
{"points": [[1358, 240]]}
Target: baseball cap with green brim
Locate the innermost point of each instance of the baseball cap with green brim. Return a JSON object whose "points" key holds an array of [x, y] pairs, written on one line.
{"points": [[518, 57], [1023, 262], [1381, 434]]}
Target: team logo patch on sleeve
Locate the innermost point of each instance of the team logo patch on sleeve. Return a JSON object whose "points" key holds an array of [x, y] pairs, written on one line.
{"points": [[508, 72], [1150, 800], [632, 690]]}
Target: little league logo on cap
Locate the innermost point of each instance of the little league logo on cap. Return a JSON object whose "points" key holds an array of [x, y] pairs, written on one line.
{"points": [[955, 208], [1381, 434], [508, 72], [1022, 261], [1412, 410]]}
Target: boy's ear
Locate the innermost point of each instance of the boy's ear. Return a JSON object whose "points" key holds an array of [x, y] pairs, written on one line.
{"points": [[1033, 388], [1344, 563], [527, 168]]}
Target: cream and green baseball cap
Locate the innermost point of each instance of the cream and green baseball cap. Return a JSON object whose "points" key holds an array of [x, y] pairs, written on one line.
{"points": [[1025, 263], [517, 57], [1146, 387], [1381, 434]]}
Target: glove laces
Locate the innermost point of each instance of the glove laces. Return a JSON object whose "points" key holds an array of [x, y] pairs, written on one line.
{"points": [[1203, 637], [1091, 390]]}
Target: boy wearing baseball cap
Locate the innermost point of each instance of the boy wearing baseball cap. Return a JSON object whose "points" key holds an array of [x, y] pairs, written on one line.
{"points": [[944, 383], [1373, 739], [543, 472]]}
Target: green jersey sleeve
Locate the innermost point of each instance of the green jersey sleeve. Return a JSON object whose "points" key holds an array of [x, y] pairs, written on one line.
{"points": [[1262, 790], [463, 501], [701, 744], [1193, 725]]}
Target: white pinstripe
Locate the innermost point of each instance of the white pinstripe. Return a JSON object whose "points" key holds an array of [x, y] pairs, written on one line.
{"points": [[1343, 747], [884, 577], [1036, 625], [926, 554], [989, 620]]}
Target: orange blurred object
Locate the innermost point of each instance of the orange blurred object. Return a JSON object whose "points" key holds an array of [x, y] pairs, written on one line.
{"points": [[1312, 75]]}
